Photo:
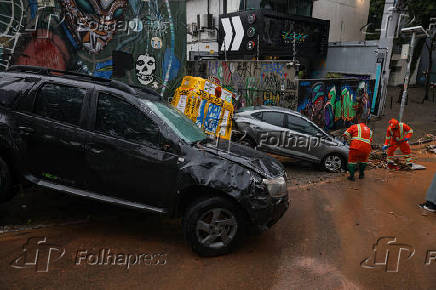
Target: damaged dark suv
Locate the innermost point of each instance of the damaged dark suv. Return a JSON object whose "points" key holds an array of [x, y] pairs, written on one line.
{"points": [[108, 141]]}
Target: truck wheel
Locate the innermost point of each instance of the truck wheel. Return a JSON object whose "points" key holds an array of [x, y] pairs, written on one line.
{"points": [[213, 226], [333, 163], [6, 192]]}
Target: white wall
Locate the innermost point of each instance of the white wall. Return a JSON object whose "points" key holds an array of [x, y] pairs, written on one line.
{"points": [[346, 18], [206, 41]]}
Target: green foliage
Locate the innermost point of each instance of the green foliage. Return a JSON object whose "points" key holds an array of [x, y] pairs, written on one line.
{"points": [[422, 10], [375, 17]]}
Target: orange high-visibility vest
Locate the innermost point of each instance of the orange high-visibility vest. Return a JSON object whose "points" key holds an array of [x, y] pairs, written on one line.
{"points": [[361, 137], [395, 135]]}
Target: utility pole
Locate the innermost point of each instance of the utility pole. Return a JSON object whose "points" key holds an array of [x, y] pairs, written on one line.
{"points": [[407, 76]]}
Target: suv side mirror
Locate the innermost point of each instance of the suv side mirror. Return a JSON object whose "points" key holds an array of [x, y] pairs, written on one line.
{"points": [[167, 145]]}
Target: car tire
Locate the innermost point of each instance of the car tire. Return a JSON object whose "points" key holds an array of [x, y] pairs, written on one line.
{"points": [[203, 230], [333, 163], [6, 192]]}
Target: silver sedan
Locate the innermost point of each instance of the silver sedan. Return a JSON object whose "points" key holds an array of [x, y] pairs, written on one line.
{"points": [[288, 133]]}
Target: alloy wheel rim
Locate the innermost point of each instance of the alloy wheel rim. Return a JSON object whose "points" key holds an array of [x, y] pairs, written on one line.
{"points": [[333, 163], [216, 228]]}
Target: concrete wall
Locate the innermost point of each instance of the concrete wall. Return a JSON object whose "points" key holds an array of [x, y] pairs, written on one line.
{"points": [[254, 82], [350, 58], [143, 43], [346, 18], [331, 103]]}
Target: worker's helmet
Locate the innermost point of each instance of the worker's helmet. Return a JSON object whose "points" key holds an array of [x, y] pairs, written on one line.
{"points": [[393, 123]]}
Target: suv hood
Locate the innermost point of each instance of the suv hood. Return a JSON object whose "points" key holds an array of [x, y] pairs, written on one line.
{"points": [[259, 162]]}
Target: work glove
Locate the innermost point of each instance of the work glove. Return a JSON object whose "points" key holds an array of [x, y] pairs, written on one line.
{"points": [[406, 139], [385, 147]]}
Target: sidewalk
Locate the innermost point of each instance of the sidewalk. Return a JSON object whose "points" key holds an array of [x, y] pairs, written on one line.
{"points": [[421, 117]]}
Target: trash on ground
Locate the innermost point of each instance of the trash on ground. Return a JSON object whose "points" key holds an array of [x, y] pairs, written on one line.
{"points": [[418, 167], [431, 148]]}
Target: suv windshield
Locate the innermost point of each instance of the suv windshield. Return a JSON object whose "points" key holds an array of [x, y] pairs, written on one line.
{"points": [[181, 125]]}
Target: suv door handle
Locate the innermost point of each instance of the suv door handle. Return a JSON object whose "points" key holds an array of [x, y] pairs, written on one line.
{"points": [[94, 149], [26, 130]]}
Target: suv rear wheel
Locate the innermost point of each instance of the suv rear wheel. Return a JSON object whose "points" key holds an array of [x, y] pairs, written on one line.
{"points": [[6, 192], [213, 226]]}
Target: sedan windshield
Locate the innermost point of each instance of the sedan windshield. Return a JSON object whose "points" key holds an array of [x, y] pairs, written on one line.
{"points": [[182, 126]]}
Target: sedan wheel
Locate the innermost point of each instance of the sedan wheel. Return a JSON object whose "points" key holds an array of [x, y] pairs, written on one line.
{"points": [[333, 163]]}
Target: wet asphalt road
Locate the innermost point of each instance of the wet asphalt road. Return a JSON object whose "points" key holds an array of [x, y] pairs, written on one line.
{"points": [[319, 244]]}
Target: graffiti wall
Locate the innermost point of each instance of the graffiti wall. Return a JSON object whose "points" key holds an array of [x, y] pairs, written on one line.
{"points": [[136, 41], [335, 103], [253, 82]]}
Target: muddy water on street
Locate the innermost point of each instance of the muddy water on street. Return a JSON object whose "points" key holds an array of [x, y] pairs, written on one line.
{"points": [[319, 244]]}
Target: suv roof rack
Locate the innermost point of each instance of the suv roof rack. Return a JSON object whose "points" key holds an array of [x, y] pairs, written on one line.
{"points": [[55, 72]]}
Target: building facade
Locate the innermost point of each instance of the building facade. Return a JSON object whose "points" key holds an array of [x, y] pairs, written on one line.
{"points": [[203, 20], [347, 18]]}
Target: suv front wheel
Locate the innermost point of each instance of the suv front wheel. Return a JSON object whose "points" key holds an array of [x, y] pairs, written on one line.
{"points": [[213, 226]]}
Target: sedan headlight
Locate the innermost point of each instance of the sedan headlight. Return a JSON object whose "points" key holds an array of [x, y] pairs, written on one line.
{"points": [[276, 187]]}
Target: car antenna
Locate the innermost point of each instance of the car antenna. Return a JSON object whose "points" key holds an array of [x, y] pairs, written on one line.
{"points": [[230, 142]]}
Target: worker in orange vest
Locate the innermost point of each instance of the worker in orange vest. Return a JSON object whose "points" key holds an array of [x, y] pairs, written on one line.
{"points": [[398, 135], [360, 137]]}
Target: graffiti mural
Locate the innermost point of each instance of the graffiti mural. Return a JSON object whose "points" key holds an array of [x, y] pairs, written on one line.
{"points": [[290, 37], [107, 38], [145, 66], [11, 22], [335, 103], [254, 82]]}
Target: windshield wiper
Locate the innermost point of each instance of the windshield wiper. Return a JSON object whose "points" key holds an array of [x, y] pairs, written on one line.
{"points": [[203, 141]]}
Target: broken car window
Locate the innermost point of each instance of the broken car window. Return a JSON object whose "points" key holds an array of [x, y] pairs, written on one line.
{"points": [[59, 102], [118, 118]]}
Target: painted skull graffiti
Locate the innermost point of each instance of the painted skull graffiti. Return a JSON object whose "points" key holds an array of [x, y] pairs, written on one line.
{"points": [[145, 66], [92, 23]]}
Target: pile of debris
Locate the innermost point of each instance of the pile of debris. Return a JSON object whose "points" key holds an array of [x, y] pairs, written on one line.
{"points": [[378, 159], [426, 139], [431, 148]]}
